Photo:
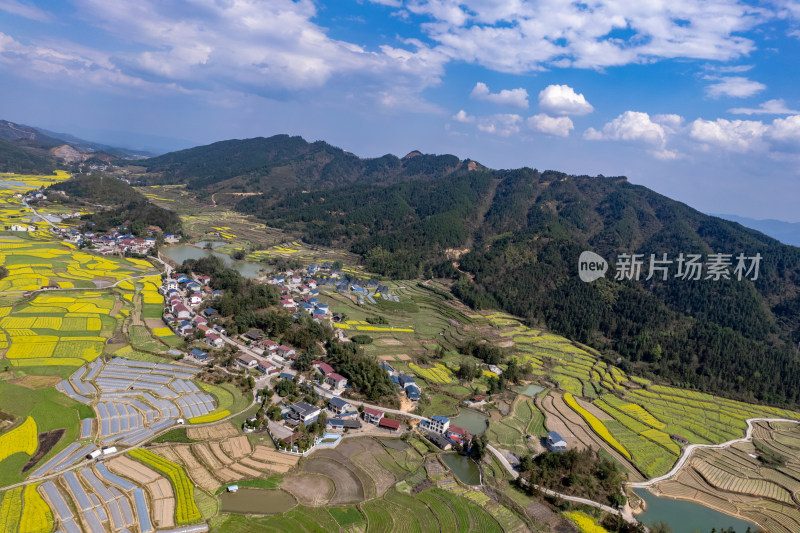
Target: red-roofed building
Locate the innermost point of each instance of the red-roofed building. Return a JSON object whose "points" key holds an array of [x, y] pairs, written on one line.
{"points": [[373, 416], [459, 435], [285, 351], [336, 381], [323, 368], [388, 423]]}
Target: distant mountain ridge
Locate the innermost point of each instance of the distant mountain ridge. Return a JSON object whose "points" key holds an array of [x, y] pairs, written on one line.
{"points": [[786, 232], [45, 148], [283, 162]]}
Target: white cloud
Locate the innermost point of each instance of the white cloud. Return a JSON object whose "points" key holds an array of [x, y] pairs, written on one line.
{"points": [[462, 116], [512, 97], [732, 135], [770, 107], [670, 122], [630, 126], [254, 47], [786, 130], [734, 86], [503, 124], [526, 35], [25, 10], [558, 126], [776, 138], [563, 100]]}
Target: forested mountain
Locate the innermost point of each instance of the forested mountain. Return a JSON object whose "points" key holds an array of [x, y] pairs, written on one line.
{"points": [[123, 204], [21, 158], [282, 162], [517, 235]]}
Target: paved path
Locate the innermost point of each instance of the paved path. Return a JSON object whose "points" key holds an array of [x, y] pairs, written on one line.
{"points": [[687, 452], [328, 394]]}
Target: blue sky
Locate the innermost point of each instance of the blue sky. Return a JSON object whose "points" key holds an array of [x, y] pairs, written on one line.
{"points": [[696, 99]]}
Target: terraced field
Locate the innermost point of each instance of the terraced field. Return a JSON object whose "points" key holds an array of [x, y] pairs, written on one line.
{"points": [[734, 481]]}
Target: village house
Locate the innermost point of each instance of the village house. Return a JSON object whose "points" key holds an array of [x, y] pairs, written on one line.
{"points": [[336, 424], [214, 340], [254, 335], [555, 442], [181, 311], [336, 381], [372, 416], [285, 351], [439, 424], [267, 368], [302, 412], [339, 405], [200, 355], [323, 368], [246, 361], [388, 423]]}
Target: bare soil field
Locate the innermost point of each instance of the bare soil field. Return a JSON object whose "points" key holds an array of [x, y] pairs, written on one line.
{"points": [[164, 512], [237, 447], [217, 431], [219, 454], [348, 487], [36, 382], [160, 488], [245, 470], [268, 455], [203, 451], [593, 409], [227, 475], [195, 469], [310, 489], [128, 468]]}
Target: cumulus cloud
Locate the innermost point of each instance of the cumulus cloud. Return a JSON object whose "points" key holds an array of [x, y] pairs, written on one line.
{"points": [[735, 86], [502, 124], [670, 122], [630, 126], [638, 127], [512, 97], [462, 116], [732, 135], [563, 100], [527, 35], [786, 130], [770, 107], [557, 126], [249, 46]]}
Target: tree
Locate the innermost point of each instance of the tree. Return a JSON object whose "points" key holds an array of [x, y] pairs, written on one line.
{"points": [[468, 370], [478, 449]]}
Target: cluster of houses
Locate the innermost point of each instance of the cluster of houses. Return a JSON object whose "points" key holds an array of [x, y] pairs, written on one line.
{"points": [[182, 296], [305, 284], [113, 242], [405, 381], [445, 435]]}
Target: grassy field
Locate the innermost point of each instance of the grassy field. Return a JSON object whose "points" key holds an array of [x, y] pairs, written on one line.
{"points": [[50, 410]]}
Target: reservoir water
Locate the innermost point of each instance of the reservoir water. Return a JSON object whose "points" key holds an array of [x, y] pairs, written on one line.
{"points": [[530, 390], [182, 252], [473, 421], [687, 517], [257, 501], [464, 468]]}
